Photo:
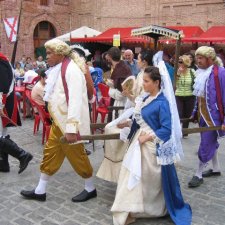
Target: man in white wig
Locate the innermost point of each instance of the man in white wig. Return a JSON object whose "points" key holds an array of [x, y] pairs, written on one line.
{"points": [[66, 94], [209, 110]]}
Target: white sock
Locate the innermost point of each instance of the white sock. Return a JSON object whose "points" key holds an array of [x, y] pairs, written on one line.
{"points": [[215, 163], [3, 131], [89, 184], [200, 169], [41, 188]]}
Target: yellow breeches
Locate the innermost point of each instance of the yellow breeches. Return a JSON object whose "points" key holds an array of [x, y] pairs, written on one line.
{"points": [[55, 153]]}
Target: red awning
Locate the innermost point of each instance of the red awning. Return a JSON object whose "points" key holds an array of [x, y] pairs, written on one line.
{"points": [[107, 36], [188, 31], [213, 34]]}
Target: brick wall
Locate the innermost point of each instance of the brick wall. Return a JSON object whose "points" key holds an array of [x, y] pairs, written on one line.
{"points": [[66, 15]]}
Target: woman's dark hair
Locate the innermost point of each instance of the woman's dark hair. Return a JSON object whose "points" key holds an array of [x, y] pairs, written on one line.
{"points": [[153, 73], [147, 55], [41, 73], [105, 65]]}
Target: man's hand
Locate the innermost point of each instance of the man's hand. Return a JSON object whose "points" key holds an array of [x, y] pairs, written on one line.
{"points": [[223, 127], [192, 119], [2, 113], [71, 137]]}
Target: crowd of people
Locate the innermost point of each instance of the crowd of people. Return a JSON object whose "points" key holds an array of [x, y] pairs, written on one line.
{"points": [[142, 162]]}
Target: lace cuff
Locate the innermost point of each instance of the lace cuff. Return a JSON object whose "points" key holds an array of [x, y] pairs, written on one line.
{"points": [[166, 153]]}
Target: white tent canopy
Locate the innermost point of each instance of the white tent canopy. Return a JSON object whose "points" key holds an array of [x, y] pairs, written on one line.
{"points": [[79, 33]]}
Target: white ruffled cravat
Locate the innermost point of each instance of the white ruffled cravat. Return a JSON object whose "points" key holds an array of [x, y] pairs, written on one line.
{"points": [[52, 74], [201, 76]]}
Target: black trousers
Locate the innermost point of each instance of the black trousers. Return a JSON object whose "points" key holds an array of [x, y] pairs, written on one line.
{"points": [[185, 106]]}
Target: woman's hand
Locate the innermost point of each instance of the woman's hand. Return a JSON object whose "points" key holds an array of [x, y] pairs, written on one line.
{"points": [[145, 137], [126, 93], [110, 83], [123, 124]]}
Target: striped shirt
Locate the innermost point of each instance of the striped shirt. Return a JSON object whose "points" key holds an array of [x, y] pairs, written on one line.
{"points": [[184, 84]]}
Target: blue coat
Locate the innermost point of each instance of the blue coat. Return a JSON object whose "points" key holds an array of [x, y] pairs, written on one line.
{"points": [[157, 115]]}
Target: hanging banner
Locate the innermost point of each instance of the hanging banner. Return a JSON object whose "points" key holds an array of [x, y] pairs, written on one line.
{"points": [[11, 25], [116, 40]]}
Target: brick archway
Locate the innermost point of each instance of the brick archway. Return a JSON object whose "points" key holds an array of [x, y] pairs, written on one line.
{"points": [[42, 33], [29, 39]]}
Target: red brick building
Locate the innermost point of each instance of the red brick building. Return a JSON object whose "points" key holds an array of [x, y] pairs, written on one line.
{"points": [[44, 19]]}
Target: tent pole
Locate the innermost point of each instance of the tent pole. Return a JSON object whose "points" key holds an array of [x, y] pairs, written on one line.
{"points": [[177, 54], [155, 43]]}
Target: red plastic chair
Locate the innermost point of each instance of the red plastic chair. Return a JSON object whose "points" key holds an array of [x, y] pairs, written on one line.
{"points": [[35, 114], [104, 89], [22, 90], [103, 103], [45, 118]]}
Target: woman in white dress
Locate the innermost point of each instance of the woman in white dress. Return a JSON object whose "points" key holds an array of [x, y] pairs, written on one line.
{"points": [[115, 149], [148, 185]]}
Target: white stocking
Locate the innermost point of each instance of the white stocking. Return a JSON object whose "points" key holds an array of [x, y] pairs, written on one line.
{"points": [[89, 184], [41, 188], [215, 163], [200, 169]]}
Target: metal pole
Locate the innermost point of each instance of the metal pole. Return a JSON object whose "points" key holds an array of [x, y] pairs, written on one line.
{"points": [[177, 54], [16, 42], [155, 43]]}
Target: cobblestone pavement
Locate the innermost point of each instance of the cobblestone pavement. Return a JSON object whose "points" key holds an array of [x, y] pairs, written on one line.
{"points": [[207, 201]]}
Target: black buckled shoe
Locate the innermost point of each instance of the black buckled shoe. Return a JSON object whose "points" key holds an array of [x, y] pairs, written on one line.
{"points": [[210, 173], [32, 195], [24, 162], [195, 182], [84, 196]]}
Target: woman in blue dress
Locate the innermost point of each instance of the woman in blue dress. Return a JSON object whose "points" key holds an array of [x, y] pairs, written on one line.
{"points": [[148, 185]]}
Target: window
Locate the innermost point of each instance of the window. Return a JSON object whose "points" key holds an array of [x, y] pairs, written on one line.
{"points": [[43, 2]]}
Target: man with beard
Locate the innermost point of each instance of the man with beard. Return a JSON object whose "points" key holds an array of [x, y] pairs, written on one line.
{"points": [[209, 90]]}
